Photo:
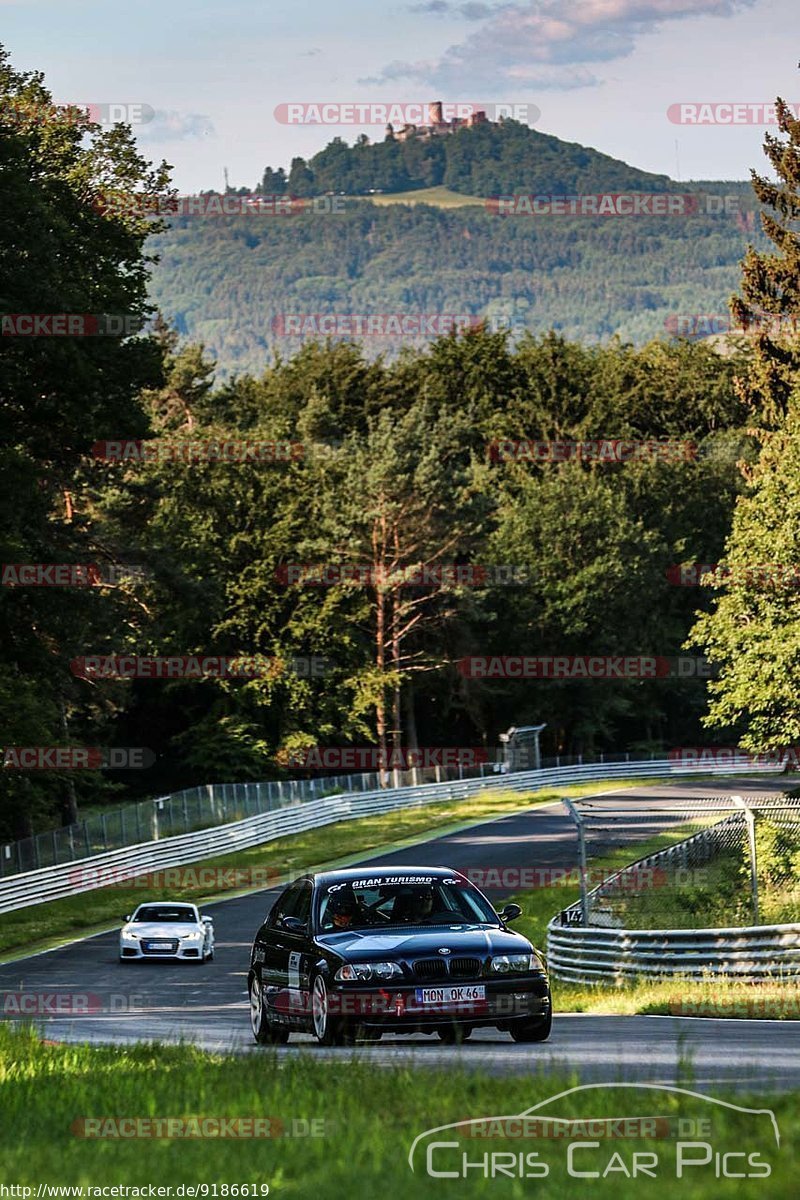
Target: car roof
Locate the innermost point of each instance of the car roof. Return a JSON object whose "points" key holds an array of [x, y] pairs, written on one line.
{"points": [[166, 904], [396, 874]]}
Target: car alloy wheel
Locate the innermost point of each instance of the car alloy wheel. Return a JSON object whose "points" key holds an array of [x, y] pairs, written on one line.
{"points": [[263, 1032], [327, 1030]]}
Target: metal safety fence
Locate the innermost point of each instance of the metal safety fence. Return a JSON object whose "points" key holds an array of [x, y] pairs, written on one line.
{"points": [[214, 804], [720, 894], [83, 872]]}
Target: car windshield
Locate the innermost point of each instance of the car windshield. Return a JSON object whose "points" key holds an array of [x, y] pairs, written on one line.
{"points": [[389, 903], [164, 914]]}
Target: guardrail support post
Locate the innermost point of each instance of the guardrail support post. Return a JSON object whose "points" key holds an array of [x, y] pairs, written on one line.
{"points": [[578, 819], [750, 819]]}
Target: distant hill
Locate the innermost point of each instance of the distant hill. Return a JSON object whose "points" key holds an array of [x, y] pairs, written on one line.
{"points": [[429, 243], [231, 281], [483, 160]]}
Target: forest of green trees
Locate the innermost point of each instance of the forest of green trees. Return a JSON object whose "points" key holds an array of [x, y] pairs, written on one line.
{"points": [[228, 280], [395, 469]]}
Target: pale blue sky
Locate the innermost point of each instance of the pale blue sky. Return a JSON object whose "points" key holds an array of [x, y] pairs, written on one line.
{"points": [[602, 72]]}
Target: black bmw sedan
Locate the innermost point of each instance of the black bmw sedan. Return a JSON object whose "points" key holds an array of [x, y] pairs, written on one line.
{"points": [[401, 949]]}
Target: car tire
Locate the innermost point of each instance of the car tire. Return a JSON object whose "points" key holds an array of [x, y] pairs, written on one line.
{"points": [[328, 1030], [263, 1032], [454, 1035], [535, 1030]]}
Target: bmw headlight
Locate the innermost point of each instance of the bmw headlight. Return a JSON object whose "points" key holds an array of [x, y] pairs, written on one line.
{"points": [[506, 964], [362, 972]]}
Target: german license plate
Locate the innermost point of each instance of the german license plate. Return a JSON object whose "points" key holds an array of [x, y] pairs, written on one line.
{"points": [[161, 945], [451, 995]]}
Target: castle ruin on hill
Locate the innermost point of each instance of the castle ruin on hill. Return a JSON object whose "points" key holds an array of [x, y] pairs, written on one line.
{"points": [[437, 126]]}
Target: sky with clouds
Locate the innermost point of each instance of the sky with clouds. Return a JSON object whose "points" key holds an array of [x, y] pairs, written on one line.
{"points": [[600, 72]]}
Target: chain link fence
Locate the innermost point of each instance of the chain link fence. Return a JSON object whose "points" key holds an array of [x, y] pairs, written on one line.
{"points": [[202, 808], [709, 863]]}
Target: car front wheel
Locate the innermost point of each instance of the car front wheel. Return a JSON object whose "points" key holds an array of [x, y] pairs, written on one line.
{"points": [[532, 1030], [264, 1033], [328, 1030]]}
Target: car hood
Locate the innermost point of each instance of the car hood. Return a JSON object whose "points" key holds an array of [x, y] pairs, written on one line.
{"points": [[420, 942], [172, 929]]}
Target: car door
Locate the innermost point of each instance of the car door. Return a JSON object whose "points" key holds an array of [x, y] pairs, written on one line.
{"points": [[298, 950], [282, 969]]}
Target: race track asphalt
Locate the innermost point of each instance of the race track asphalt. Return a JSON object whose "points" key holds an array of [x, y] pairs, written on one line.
{"points": [[102, 1000]]}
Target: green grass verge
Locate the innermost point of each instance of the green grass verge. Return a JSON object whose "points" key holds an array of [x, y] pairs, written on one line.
{"points": [[778, 1001], [369, 1120], [26, 930]]}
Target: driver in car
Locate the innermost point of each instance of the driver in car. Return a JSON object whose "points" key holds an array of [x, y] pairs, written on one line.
{"points": [[413, 905], [343, 909]]}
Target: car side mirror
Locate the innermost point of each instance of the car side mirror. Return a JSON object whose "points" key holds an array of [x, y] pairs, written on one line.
{"points": [[510, 912], [206, 919], [293, 925], [126, 919]]}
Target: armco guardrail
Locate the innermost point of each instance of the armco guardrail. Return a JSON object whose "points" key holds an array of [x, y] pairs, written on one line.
{"points": [[599, 953], [83, 875], [587, 954]]}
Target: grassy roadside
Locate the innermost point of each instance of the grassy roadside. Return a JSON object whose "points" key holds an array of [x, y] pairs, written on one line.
{"points": [[778, 1001], [365, 1120], [26, 930]]}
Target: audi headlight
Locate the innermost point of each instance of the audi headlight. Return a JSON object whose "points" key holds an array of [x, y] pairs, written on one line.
{"points": [[128, 933], [362, 972], [505, 964], [192, 937]]}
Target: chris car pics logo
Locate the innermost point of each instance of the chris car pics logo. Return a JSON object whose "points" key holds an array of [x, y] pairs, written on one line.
{"points": [[681, 1134]]}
